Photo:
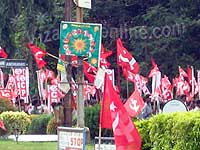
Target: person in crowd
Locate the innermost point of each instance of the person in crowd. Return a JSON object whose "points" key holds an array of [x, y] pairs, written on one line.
{"points": [[191, 105], [196, 105], [147, 109]]}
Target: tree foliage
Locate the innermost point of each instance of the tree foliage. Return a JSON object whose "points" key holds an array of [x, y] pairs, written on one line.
{"points": [[166, 30]]}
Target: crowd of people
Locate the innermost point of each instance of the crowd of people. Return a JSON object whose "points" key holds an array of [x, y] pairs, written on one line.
{"points": [[35, 106], [154, 106], [151, 107]]}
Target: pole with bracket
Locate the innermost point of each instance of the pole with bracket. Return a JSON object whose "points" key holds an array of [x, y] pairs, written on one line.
{"points": [[80, 79], [67, 99]]}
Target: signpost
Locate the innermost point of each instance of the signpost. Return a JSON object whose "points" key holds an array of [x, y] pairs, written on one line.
{"points": [[71, 138], [82, 40]]}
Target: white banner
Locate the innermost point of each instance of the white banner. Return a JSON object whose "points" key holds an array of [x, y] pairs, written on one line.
{"points": [[52, 94]]}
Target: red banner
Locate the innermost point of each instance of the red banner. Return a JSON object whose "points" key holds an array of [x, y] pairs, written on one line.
{"points": [[21, 81]]}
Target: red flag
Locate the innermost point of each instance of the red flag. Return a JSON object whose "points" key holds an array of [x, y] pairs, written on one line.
{"points": [[182, 73], [89, 71], [3, 53], [104, 55], [154, 71], [134, 104], [105, 116], [89, 90], [153, 63], [125, 59], [2, 125], [192, 81], [166, 88], [38, 53], [126, 135]]}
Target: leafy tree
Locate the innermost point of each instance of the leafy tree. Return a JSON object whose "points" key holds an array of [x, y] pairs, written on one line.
{"points": [[167, 30]]}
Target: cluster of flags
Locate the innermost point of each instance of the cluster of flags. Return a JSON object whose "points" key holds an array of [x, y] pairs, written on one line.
{"points": [[117, 117], [115, 114]]}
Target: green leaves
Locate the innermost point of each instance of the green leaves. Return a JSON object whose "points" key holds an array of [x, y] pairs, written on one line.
{"points": [[15, 122], [174, 131]]}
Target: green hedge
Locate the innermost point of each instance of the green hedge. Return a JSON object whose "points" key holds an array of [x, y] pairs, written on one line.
{"points": [[174, 131], [39, 124]]}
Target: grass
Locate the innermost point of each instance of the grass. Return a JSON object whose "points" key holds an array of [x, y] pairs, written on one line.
{"points": [[12, 145]]}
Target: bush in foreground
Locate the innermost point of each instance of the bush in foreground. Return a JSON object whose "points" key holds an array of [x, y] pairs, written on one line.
{"points": [[174, 131], [15, 122]]}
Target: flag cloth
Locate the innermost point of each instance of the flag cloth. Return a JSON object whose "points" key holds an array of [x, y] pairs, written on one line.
{"points": [[125, 133], [154, 71], [103, 56], [125, 59], [134, 104], [3, 53], [182, 73], [38, 53], [105, 116], [166, 88], [2, 125], [89, 71]]}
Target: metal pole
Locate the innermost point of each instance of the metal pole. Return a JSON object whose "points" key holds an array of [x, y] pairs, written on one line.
{"points": [[80, 78], [67, 99]]}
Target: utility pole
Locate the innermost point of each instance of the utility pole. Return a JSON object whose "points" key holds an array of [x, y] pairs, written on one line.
{"points": [[80, 79], [68, 67]]}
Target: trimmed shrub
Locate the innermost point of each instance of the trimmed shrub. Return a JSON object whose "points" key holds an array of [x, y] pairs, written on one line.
{"points": [[6, 105], [173, 131], [39, 124], [15, 122], [52, 126]]}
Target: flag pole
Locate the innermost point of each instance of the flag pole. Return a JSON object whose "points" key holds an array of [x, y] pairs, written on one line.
{"points": [[127, 89], [56, 57], [118, 76], [99, 139]]}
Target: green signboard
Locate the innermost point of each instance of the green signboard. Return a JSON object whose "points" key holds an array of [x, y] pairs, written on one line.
{"points": [[81, 39]]}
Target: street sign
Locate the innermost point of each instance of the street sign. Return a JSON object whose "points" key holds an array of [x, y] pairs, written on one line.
{"points": [[81, 39], [9, 63], [71, 138], [85, 4]]}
